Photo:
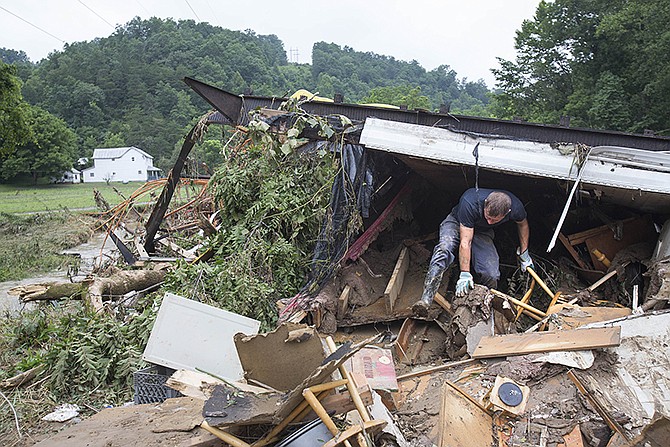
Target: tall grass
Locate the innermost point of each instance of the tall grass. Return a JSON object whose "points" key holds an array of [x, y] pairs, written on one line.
{"points": [[31, 244], [26, 199]]}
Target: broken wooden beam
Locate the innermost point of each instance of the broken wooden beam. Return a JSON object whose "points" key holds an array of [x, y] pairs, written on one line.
{"points": [[570, 340], [161, 206], [568, 246], [600, 409], [438, 368], [394, 285], [369, 235], [343, 302]]}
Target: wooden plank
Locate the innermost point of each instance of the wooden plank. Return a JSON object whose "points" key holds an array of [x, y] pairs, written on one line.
{"points": [[142, 253], [394, 285], [571, 340], [443, 303], [574, 438], [343, 302], [435, 369], [176, 248], [576, 316], [578, 259], [462, 423]]}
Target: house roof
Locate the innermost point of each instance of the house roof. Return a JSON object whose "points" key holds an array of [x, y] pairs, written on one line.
{"points": [[631, 177], [116, 152]]}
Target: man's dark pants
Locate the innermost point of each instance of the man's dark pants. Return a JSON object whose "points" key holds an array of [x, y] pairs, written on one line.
{"points": [[484, 258]]}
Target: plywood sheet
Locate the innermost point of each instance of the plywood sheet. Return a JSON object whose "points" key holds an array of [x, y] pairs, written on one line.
{"points": [[571, 340], [461, 423], [572, 316], [273, 360]]}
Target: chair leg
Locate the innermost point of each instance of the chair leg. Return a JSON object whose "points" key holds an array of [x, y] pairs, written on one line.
{"points": [[321, 412]]}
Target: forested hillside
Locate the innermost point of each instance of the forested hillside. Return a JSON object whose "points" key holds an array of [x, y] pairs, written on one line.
{"points": [[126, 89], [602, 63]]}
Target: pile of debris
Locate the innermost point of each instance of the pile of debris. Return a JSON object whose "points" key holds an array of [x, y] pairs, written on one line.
{"points": [[573, 354], [583, 382]]}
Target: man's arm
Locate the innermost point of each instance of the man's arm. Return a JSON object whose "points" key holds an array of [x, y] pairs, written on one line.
{"points": [[464, 249], [524, 235]]}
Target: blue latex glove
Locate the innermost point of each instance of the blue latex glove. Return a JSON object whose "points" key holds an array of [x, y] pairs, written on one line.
{"points": [[465, 284], [525, 260]]}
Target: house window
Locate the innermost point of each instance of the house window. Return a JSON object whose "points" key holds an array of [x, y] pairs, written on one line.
{"points": [[92, 174], [139, 172]]}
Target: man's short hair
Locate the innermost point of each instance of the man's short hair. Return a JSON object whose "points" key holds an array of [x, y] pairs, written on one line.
{"points": [[498, 204]]}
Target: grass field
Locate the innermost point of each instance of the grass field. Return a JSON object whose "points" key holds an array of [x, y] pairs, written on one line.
{"points": [[26, 199]]}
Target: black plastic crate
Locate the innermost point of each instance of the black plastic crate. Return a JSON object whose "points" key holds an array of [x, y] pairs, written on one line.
{"points": [[149, 385]]}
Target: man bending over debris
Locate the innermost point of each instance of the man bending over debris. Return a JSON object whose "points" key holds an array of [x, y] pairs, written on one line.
{"points": [[469, 228]]}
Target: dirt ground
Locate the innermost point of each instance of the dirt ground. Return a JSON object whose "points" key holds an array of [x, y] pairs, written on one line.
{"points": [[172, 423]]}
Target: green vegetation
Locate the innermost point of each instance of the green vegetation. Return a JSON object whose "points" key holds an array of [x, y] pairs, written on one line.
{"points": [[49, 152], [32, 244], [271, 202], [14, 128], [127, 89], [53, 197], [603, 63], [86, 358]]}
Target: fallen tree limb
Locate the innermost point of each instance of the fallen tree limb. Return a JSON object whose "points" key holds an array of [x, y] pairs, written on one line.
{"points": [[115, 286], [50, 291], [121, 283], [20, 379]]}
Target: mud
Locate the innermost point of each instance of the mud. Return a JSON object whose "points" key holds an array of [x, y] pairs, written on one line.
{"points": [[88, 256]]}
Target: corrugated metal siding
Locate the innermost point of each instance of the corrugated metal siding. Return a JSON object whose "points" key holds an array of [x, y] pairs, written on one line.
{"points": [[485, 126]]}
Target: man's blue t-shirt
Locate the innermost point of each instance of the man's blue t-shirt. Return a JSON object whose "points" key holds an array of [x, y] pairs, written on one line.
{"points": [[470, 209]]}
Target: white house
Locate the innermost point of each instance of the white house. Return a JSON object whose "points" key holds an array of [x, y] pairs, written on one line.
{"points": [[71, 176], [121, 164]]}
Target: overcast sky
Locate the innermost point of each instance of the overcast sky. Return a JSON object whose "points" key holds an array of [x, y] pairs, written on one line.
{"points": [[467, 35]]}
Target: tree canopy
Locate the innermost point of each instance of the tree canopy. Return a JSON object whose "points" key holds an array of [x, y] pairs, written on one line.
{"points": [[48, 153], [603, 63], [14, 127]]}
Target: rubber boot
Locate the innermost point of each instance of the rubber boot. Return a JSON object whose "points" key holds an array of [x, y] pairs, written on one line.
{"points": [[430, 286]]}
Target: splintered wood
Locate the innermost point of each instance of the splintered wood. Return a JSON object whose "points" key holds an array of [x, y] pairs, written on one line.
{"points": [[395, 283], [571, 340]]}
